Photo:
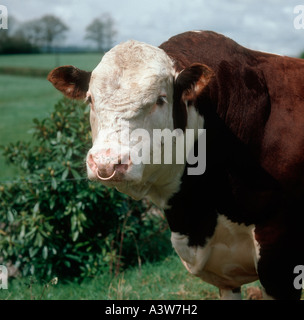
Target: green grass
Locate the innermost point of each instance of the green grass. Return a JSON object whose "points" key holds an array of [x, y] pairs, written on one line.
{"points": [[23, 98], [86, 61], [166, 280]]}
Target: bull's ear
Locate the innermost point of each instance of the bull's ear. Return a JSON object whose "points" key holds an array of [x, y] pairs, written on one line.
{"points": [[189, 85], [71, 81]]}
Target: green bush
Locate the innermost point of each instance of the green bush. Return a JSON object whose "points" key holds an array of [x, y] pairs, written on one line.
{"points": [[54, 222]]}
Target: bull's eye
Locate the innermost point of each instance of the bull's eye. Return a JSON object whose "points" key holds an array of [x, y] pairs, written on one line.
{"points": [[161, 100]]}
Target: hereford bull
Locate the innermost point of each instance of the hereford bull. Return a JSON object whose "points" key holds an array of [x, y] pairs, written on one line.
{"points": [[242, 219]]}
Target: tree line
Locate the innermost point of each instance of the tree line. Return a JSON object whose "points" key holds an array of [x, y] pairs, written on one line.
{"points": [[48, 32]]}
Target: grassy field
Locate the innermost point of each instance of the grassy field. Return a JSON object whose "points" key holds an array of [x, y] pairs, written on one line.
{"points": [[86, 61], [167, 280], [23, 98]]}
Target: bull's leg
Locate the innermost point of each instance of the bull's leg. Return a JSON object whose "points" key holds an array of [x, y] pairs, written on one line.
{"points": [[234, 294], [276, 268], [278, 285]]}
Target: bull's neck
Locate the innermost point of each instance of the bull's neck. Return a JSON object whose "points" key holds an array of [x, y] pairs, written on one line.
{"points": [[167, 185]]}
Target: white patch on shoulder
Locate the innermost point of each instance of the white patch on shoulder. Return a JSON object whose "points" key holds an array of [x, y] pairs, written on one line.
{"points": [[229, 258]]}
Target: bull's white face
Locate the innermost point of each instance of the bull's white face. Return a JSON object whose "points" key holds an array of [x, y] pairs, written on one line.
{"points": [[131, 94], [130, 89]]}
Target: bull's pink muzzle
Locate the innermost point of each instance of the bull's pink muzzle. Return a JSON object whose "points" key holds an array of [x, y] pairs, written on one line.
{"points": [[108, 166]]}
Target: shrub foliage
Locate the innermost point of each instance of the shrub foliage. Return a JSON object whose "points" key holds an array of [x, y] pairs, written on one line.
{"points": [[54, 222]]}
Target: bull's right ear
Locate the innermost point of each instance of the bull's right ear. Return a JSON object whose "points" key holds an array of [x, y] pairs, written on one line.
{"points": [[188, 86], [71, 81]]}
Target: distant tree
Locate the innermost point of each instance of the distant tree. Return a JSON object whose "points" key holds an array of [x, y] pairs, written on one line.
{"points": [[94, 32], [44, 32], [32, 31], [102, 31], [13, 40], [109, 31], [53, 29], [16, 44]]}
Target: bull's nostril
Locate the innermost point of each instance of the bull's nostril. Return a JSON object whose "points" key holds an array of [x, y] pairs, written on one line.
{"points": [[91, 162]]}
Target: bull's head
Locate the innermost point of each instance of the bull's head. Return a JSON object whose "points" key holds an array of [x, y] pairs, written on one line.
{"points": [[134, 90]]}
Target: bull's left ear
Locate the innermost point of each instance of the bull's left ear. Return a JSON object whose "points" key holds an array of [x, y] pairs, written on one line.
{"points": [[71, 81], [188, 86]]}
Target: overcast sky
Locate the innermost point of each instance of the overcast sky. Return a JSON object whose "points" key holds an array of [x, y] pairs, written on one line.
{"points": [[266, 25]]}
